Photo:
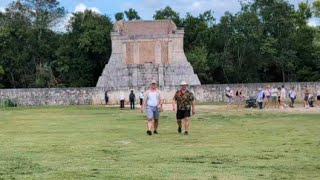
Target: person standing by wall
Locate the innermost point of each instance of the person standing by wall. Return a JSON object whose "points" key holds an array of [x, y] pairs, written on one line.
{"points": [[141, 96], [292, 96], [274, 96], [267, 96], [283, 94], [153, 104], [239, 96], [230, 96], [318, 97], [122, 99], [260, 97], [306, 96], [106, 97], [183, 101], [132, 98]]}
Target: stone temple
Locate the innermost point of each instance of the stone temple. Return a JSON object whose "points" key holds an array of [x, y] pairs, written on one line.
{"points": [[147, 50]]}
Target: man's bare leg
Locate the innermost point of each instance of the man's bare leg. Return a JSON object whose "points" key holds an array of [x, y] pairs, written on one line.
{"points": [[149, 126], [186, 125], [156, 124], [179, 122]]}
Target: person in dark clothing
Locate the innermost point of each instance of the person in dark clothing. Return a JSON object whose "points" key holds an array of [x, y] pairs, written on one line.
{"points": [[132, 98], [106, 97]]}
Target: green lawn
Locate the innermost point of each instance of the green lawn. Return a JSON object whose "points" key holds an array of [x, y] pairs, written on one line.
{"points": [[94, 142]]}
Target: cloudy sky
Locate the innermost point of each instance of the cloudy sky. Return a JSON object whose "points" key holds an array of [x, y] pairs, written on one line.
{"points": [[146, 8]]}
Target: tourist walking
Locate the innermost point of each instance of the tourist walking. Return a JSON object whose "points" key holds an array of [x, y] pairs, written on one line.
{"points": [[292, 96], [267, 96], [153, 104], [306, 96], [106, 97], [132, 98], [279, 97], [283, 93], [318, 97], [260, 97], [183, 102], [141, 96], [230, 96], [122, 100], [274, 96], [239, 96]]}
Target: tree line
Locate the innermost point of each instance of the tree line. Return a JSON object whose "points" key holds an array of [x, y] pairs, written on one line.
{"points": [[266, 41]]}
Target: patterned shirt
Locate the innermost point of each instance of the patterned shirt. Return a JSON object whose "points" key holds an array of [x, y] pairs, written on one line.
{"points": [[184, 100]]}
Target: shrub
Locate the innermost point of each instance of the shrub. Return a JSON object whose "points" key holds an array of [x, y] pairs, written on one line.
{"points": [[8, 103]]}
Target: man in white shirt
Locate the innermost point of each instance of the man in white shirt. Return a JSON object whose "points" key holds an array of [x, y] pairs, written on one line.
{"points": [[283, 93], [292, 96], [141, 96], [230, 96], [274, 96], [122, 99], [152, 103]]}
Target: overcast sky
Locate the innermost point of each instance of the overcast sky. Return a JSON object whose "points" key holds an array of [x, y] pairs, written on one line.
{"points": [[147, 8]]}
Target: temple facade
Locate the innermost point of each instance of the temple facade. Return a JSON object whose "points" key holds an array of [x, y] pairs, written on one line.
{"points": [[147, 50]]}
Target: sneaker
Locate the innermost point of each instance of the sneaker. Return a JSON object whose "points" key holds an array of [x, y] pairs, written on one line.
{"points": [[186, 133], [179, 130], [149, 132], [155, 132]]}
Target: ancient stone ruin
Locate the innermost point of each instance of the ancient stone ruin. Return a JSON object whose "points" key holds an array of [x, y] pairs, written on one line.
{"points": [[147, 50]]}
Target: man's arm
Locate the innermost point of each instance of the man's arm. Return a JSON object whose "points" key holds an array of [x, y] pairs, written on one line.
{"points": [[144, 101], [161, 100], [174, 104], [193, 107]]}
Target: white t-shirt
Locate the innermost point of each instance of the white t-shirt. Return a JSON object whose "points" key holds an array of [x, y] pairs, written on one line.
{"points": [[274, 92], [121, 97], [267, 92], [292, 94], [283, 92], [141, 96], [153, 98], [318, 92], [230, 93]]}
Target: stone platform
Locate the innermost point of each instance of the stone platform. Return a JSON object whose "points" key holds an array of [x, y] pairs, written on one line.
{"points": [[147, 50]]}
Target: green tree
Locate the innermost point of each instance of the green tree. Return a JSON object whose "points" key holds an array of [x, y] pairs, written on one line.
{"points": [[197, 30], [168, 13], [86, 49], [316, 8], [132, 14], [119, 16], [31, 42]]}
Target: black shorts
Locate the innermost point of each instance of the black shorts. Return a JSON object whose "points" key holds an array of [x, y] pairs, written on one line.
{"points": [[181, 114], [318, 98]]}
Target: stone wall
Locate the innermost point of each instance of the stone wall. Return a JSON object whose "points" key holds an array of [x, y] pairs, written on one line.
{"points": [[85, 96]]}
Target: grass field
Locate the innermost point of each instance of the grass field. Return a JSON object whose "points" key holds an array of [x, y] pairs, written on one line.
{"points": [[94, 142]]}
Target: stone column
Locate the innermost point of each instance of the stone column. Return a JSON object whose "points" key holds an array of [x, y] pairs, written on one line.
{"points": [[161, 75], [136, 54], [124, 53], [158, 53]]}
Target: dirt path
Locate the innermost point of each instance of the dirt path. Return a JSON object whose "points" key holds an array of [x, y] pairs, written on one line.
{"points": [[298, 108]]}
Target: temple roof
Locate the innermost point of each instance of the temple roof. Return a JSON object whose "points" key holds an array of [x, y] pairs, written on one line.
{"points": [[144, 28]]}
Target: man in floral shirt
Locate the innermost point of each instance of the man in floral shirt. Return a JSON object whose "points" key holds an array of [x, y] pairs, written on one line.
{"points": [[184, 101]]}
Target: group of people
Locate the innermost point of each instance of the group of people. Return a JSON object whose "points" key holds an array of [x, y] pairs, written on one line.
{"points": [[122, 99], [183, 104], [275, 96], [151, 102]]}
